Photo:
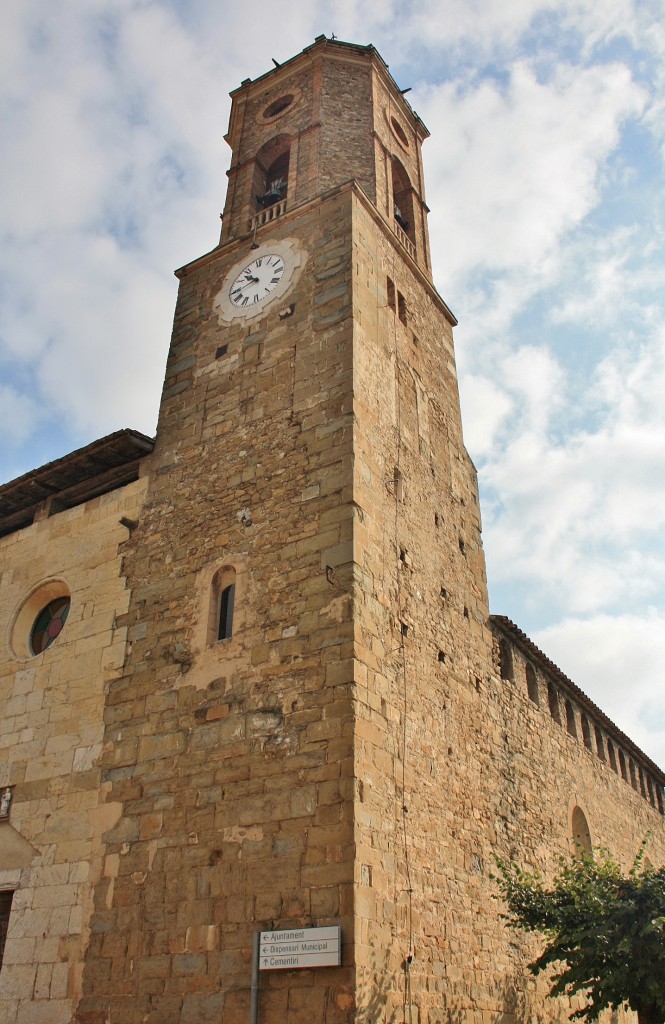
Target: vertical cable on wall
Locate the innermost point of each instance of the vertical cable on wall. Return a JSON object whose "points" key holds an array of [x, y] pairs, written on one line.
{"points": [[397, 498]]}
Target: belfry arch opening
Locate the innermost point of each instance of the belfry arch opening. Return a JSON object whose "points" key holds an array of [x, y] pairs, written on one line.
{"points": [[403, 207], [271, 172]]}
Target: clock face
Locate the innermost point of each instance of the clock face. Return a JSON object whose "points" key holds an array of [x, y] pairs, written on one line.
{"points": [[257, 281], [259, 278]]}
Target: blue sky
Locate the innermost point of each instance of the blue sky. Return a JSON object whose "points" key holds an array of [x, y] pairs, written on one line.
{"points": [[544, 177]]}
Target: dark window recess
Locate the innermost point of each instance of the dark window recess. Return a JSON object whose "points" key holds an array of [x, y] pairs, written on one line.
{"points": [[6, 897], [390, 287], [442, 656], [633, 773], [506, 654], [276, 183], [466, 612], [225, 631], [600, 745], [404, 629], [221, 351], [443, 593], [612, 756], [642, 786], [570, 719], [553, 702], [462, 545], [531, 682], [401, 308], [622, 766], [586, 732]]}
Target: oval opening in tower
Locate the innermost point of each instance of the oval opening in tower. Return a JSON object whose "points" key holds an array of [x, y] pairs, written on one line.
{"points": [[278, 106], [399, 131]]}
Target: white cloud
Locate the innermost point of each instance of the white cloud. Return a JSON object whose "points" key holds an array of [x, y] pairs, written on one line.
{"points": [[517, 166], [618, 661]]}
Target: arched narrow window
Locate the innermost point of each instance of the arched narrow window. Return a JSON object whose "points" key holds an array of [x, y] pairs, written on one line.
{"points": [[612, 756], [622, 765], [225, 625], [586, 732], [651, 797], [403, 208], [271, 172], [506, 655], [643, 788], [571, 727], [580, 829], [553, 702], [633, 773], [531, 682], [6, 896], [600, 743], [222, 600]]}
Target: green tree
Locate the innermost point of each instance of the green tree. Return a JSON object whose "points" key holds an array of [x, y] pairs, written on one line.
{"points": [[604, 931]]}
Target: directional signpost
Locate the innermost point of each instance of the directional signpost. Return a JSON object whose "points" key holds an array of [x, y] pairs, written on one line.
{"points": [[290, 949]]}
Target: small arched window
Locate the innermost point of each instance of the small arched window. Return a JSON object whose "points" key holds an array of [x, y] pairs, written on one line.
{"points": [[570, 719], [580, 830], [600, 743], [222, 600], [553, 702], [586, 732], [531, 682], [225, 625]]}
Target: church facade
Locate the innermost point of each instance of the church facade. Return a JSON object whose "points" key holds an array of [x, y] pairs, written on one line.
{"points": [[249, 678]]}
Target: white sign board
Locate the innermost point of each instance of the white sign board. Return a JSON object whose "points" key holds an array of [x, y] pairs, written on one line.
{"points": [[300, 947]]}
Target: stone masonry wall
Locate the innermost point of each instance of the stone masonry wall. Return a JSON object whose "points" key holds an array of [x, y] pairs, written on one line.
{"points": [[454, 764], [233, 760], [51, 848]]}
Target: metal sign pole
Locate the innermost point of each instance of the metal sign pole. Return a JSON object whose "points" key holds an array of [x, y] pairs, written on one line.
{"points": [[254, 991]]}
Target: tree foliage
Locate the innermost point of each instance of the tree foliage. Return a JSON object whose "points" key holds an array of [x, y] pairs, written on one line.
{"points": [[604, 931]]}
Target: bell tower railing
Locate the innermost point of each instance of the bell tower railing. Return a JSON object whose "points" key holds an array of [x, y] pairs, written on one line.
{"points": [[270, 213]]}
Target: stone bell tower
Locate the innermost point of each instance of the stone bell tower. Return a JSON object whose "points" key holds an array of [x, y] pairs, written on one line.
{"points": [[308, 594]]}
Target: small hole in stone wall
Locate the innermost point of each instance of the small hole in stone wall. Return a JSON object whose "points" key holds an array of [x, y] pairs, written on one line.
{"points": [[466, 612], [478, 684], [462, 545], [404, 629], [221, 351], [442, 656], [443, 594], [437, 519], [415, 340], [450, 750]]}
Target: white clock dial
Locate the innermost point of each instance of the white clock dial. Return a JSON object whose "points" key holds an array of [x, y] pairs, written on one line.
{"points": [[257, 281], [260, 278]]}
